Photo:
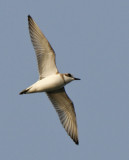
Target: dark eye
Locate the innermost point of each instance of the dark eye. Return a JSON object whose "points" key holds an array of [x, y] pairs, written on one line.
{"points": [[69, 75]]}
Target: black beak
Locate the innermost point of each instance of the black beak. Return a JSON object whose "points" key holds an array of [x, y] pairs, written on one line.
{"points": [[77, 79]]}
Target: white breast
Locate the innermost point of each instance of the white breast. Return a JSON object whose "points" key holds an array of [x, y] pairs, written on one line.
{"points": [[47, 84]]}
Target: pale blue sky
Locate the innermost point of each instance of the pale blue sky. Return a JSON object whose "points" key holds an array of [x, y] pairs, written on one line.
{"points": [[91, 41]]}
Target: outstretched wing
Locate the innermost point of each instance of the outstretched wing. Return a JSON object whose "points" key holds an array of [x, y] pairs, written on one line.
{"points": [[65, 109], [44, 52]]}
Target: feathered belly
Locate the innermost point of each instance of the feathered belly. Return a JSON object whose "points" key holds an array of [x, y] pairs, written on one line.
{"points": [[47, 84]]}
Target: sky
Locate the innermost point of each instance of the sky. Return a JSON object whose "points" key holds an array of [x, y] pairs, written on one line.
{"points": [[91, 41]]}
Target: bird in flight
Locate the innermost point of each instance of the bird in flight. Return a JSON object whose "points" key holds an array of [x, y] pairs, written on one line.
{"points": [[51, 81]]}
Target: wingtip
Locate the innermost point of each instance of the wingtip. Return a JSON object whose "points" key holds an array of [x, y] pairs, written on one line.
{"points": [[76, 142], [29, 17]]}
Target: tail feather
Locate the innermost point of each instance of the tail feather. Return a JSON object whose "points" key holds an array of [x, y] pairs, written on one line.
{"points": [[24, 91]]}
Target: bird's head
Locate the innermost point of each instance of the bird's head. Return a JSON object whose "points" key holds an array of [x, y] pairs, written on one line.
{"points": [[69, 77]]}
